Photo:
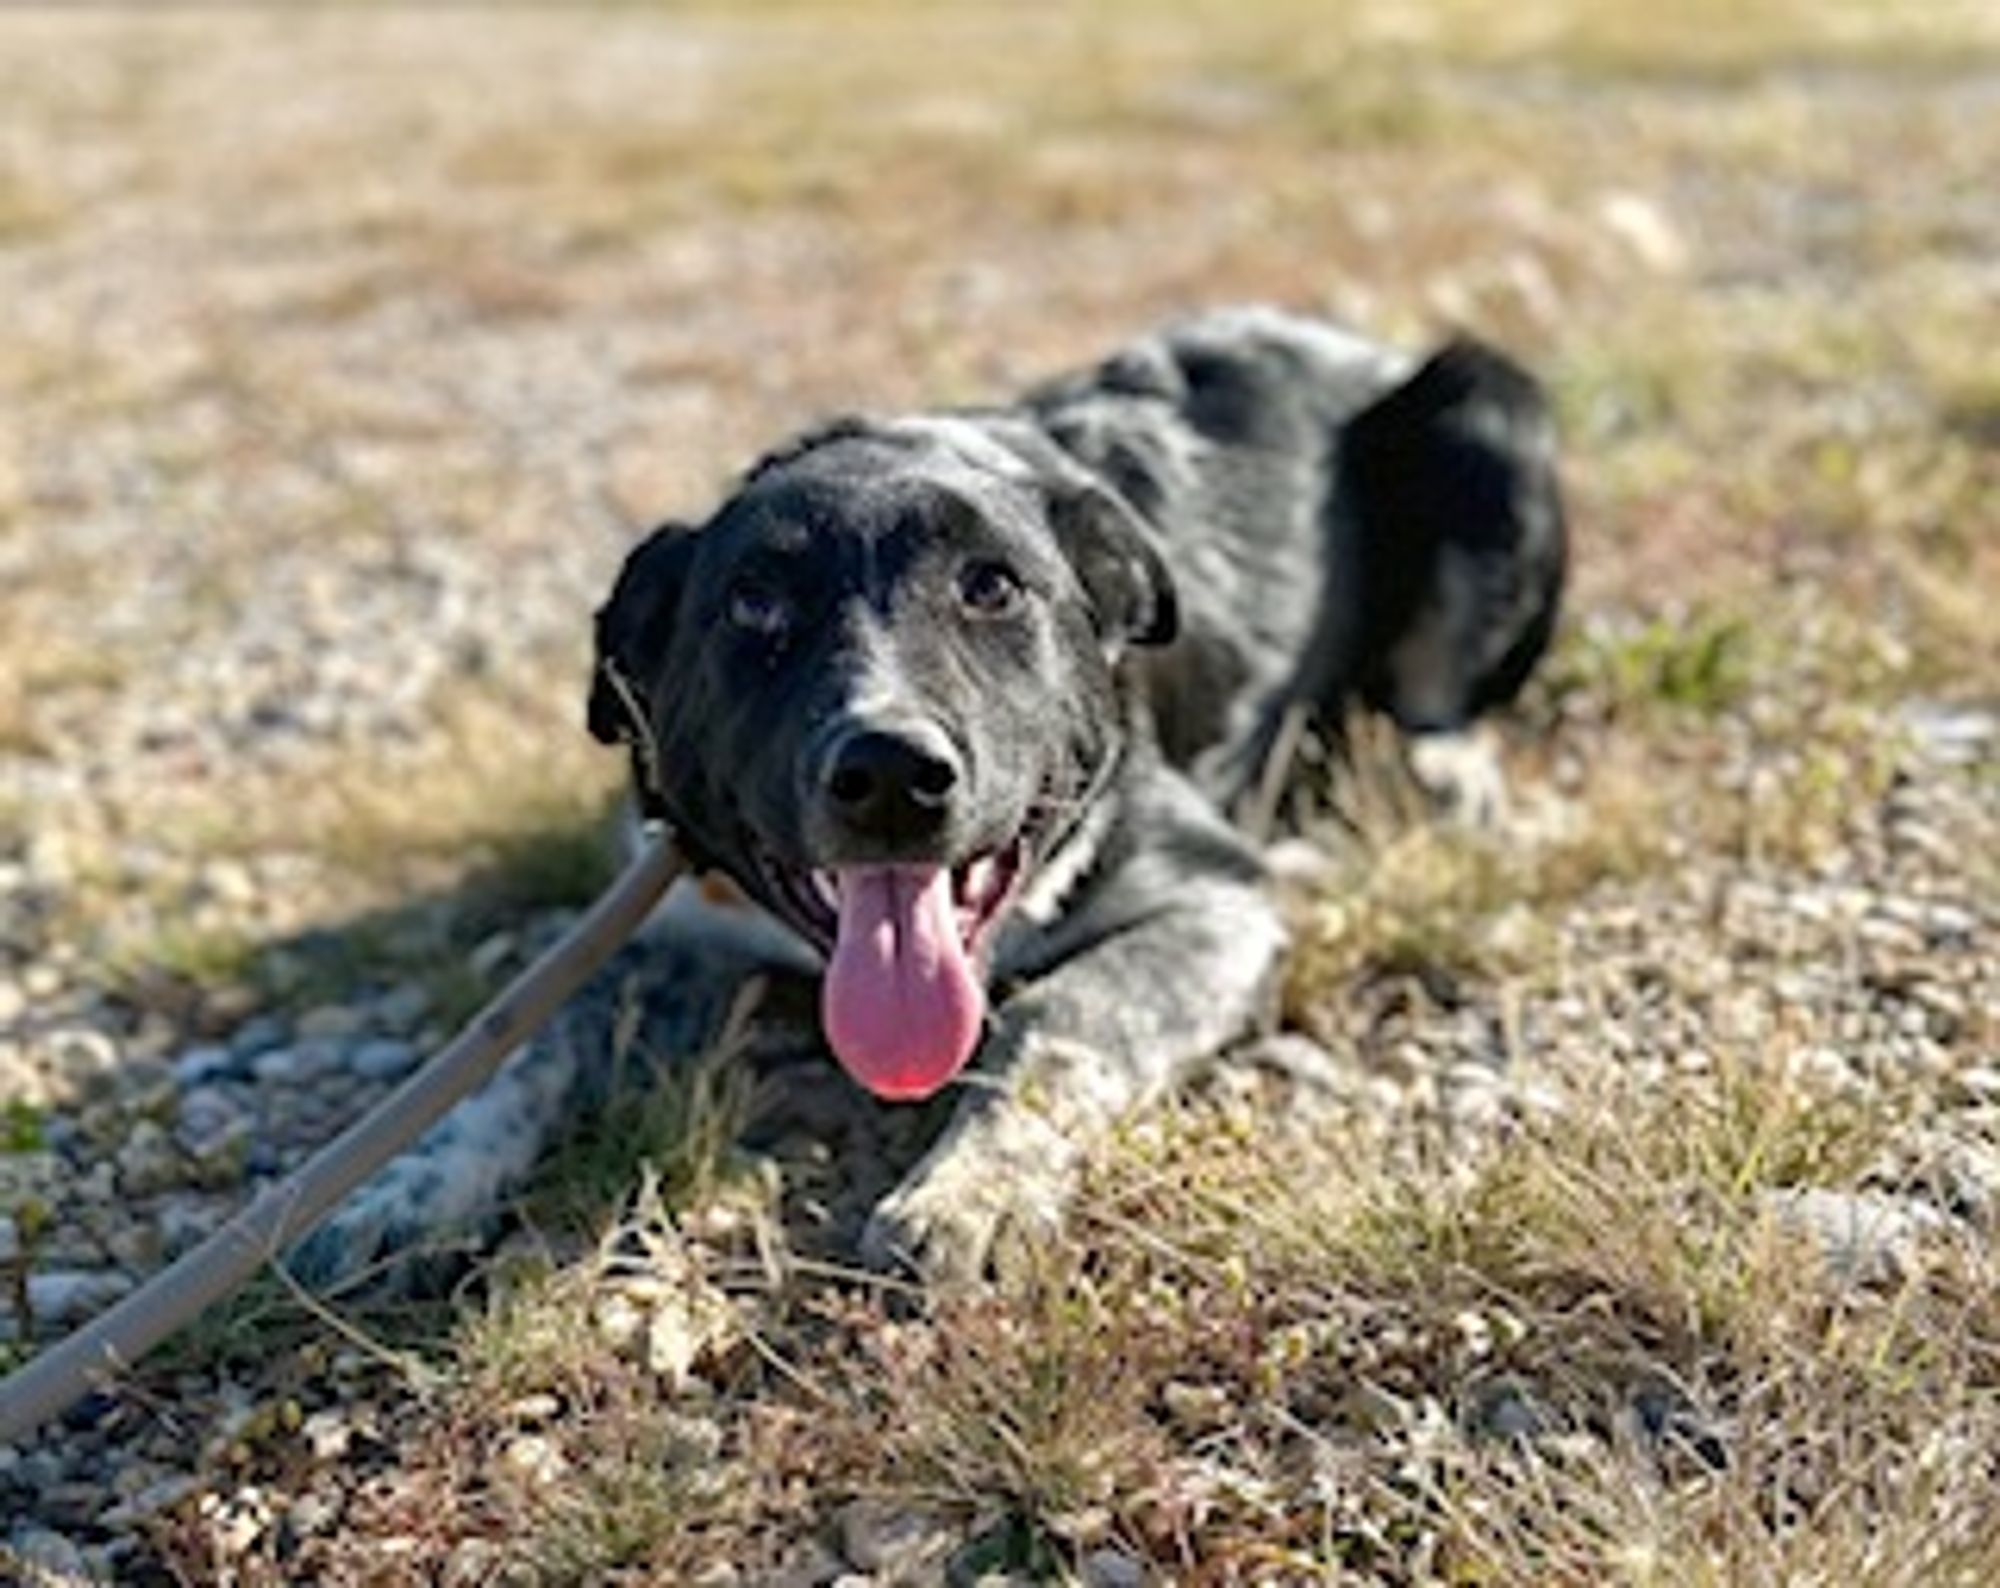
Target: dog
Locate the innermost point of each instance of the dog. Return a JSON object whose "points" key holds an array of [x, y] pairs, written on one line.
{"points": [[964, 704]]}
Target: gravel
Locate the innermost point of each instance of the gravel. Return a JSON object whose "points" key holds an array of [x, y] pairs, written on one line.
{"points": [[1867, 1237], [66, 1296], [1879, 953], [342, 605], [383, 1059], [44, 1558], [206, 1062]]}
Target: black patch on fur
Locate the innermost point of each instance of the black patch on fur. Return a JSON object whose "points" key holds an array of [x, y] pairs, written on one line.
{"points": [[633, 630], [1453, 477]]}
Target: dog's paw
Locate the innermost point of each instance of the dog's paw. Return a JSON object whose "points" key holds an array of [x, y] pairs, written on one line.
{"points": [[955, 1219], [929, 1233], [1462, 775]]}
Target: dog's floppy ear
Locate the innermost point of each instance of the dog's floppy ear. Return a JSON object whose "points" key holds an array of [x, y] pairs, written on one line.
{"points": [[634, 628], [1118, 560]]}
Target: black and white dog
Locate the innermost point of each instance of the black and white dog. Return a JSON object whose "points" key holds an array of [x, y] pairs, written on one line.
{"points": [[963, 702]]}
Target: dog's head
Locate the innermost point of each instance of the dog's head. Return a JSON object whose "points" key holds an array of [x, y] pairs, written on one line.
{"points": [[877, 688]]}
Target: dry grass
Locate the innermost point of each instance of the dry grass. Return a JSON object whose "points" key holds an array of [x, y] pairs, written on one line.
{"points": [[1594, 1354], [518, 288]]}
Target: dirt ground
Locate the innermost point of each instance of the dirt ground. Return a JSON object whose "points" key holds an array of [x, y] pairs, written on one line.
{"points": [[1628, 1214]]}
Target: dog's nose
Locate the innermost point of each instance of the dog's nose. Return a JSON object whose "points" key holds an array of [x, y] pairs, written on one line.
{"points": [[891, 786]]}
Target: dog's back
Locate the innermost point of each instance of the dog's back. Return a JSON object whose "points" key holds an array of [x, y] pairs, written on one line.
{"points": [[1342, 524]]}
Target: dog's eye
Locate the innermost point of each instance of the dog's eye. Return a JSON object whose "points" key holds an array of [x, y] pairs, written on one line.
{"points": [[991, 589], [758, 609]]}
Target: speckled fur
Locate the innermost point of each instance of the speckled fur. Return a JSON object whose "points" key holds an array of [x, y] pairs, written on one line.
{"points": [[1322, 520]]}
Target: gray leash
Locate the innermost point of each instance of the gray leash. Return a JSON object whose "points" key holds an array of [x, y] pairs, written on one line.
{"points": [[119, 1336]]}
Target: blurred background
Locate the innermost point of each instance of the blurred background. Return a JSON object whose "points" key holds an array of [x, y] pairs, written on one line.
{"points": [[347, 348]]}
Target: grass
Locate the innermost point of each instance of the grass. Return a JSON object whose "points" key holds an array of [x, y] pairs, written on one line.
{"points": [[21, 1127], [27, 210], [1595, 1356], [472, 289], [673, 1123], [425, 861], [1687, 662]]}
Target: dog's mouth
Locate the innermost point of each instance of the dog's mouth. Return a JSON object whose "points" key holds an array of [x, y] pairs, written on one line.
{"points": [[981, 888], [904, 998]]}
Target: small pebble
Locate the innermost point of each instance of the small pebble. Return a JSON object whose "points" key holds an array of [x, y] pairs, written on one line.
{"points": [[295, 1065], [491, 953], [894, 1539], [237, 1521], [1110, 1568], [83, 1057], [148, 1162], [383, 1059], [183, 1223], [1980, 1084], [63, 1296], [540, 1408], [206, 1113], [46, 1559], [315, 1513], [402, 1008], [535, 1458], [327, 1434], [1865, 1236], [163, 1494], [258, 1035], [331, 1023], [198, 1066]]}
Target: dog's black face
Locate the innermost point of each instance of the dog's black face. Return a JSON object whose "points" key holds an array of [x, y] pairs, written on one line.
{"points": [[876, 688]]}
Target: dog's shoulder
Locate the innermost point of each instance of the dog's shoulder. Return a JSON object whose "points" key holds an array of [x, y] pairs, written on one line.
{"points": [[1151, 843]]}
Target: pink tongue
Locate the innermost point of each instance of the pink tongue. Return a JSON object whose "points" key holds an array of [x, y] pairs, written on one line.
{"points": [[901, 1006]]}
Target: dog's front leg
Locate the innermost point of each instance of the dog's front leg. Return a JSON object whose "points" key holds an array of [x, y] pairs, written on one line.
{"points": [[1069, 1057]]}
